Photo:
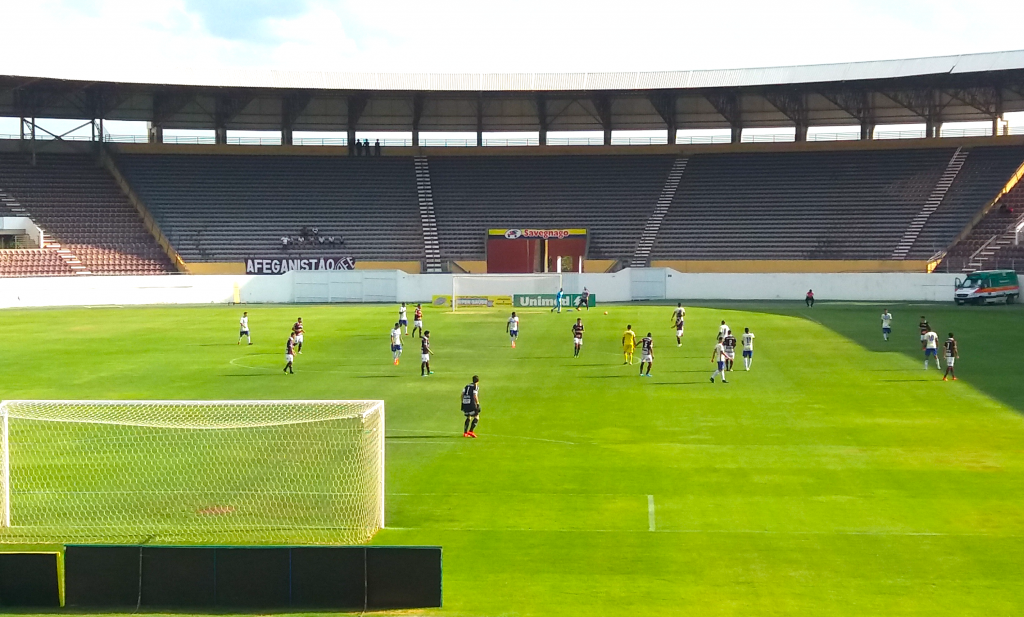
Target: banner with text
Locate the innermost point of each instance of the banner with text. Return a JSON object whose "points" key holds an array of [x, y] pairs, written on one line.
{"points": [[548, 300], [464, 301], [536, 234], [280, 265]]}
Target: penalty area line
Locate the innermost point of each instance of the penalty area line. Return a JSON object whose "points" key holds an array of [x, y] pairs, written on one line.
{"points": [[650, 513]]}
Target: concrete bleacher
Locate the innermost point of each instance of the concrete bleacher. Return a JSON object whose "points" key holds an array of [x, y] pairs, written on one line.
{"points": [[843, 205], [218, 208], [983, 175], [990, 244], [82, 210], [610, 196]]}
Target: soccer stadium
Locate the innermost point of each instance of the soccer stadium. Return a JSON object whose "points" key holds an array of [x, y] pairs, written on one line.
{"points": [[620, 343]]}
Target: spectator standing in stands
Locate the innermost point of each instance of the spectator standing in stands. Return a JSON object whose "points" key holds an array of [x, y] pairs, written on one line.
{"points": [[809, 299], [358, 150], [366, 147], [376, 148]]}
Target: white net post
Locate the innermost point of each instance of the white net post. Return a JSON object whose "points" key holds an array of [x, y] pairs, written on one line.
{"points": [[194, 471], [503, 285], [5, 471]]}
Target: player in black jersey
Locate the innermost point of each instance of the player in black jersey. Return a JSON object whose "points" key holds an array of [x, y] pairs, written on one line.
{"points": [[425, 352], [925, 329], [646, 354], [577, 337], [952, 353], [471, 407], [729, 342]]}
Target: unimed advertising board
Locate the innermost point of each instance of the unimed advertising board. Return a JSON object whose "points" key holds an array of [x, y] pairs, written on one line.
{"points": [[280, 265]]}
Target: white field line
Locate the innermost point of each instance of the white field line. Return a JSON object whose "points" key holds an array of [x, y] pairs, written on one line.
{"points": [[650, 513]]}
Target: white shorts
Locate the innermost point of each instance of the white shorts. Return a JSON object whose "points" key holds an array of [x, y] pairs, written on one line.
{"points": [[646, 358], [679, 332], [298, 340], [418, 324], [950, 360], [577, 341], [425, 357], [289, 357]]}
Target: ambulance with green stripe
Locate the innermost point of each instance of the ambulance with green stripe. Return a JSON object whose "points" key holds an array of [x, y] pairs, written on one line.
{"points": [[988, 286]]}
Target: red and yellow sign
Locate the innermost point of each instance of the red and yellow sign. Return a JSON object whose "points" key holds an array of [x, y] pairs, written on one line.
{"points": [[536, 234]]}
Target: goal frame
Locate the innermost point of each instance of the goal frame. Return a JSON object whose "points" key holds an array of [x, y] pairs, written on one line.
{"points": [[510, 277], [5, 443]]}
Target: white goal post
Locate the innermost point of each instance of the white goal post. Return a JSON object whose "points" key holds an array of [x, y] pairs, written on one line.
{"points": [[468, 287], [192, 471]]}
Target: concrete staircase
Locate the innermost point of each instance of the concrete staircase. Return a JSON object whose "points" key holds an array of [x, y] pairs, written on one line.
{"points": [[642, 256], [431, 245], [956, 162]]}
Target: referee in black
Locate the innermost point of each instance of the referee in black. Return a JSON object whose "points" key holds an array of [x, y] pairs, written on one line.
{"points": [[471, 406]]}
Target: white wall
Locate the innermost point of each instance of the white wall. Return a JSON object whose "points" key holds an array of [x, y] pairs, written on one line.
{"points": [[396, 286]]}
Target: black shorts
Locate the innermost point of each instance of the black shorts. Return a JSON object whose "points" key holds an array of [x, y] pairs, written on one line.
{"points": [[471, 412]]}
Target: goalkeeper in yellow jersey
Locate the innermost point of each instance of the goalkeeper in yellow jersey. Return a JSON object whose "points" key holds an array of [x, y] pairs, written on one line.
{"points": [[628, 345]]}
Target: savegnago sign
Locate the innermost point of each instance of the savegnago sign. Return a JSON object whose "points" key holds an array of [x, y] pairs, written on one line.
{"points": [[280, 265], [536, 234]]}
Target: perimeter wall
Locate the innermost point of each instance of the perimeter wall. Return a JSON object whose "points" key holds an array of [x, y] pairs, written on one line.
{"points": [[396, 286]]}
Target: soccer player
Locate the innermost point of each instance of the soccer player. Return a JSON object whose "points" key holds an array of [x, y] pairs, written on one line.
{"points": [[718, 355], [471, 407], [952, 353], [931, 348], [403, 318], [396, 343], [584, 300], [558, 302], [425, 353], [297, 329], [646, 354], [722, 331], [577, 337], [243, 328], [809, 298], [748, 348], [628, 344], [289, 353], [677, 318], [886, 325], [729, 342], [512, 327], [417, 320], [925, 328]]}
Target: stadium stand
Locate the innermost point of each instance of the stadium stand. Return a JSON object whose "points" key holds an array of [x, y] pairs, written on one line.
{"points": [[611, 196], [229, 207], [33, 262], [991, 243], [983, 175], [85, 215], [805, 205]]}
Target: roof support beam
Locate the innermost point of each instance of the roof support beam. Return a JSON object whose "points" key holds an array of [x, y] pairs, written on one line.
{"points": [[479, 121], [356, 106], [857, 103], [542, 119], [986, 99], [417, 113], [727, 104], [603, 106], [292, 106], [924, 103], [665, 104], [226, 108], [793, 106]]}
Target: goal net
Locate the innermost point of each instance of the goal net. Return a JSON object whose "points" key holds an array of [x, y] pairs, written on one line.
{"points": [[240, 472], [472, 289]]}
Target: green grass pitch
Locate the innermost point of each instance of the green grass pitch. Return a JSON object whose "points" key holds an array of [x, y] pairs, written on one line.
{"points": [[838, 477]]}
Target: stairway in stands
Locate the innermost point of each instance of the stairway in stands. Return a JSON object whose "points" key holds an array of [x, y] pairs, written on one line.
{"points": [[431, 245], [642, 257], [956, 162]]}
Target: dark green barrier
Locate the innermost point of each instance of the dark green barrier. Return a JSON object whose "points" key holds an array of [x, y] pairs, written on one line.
{"points": [[29, 579]]}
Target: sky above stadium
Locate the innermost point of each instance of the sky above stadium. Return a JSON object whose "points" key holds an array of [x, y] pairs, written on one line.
{"points": [[49, 37]]}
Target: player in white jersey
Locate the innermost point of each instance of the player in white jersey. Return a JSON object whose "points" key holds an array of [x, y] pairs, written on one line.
{"points": [[396, 343], [512, 327], [403, 319], [886, 325], [243, 328], [718, 355], [931, 348], [722, 330], [748, 348], [678, 316]]}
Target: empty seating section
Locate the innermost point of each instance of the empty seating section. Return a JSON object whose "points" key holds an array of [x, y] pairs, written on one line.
{"points": [[610, 196], [33, 262], [79, 206], [808, 205], [229, 207], [984, 174], [990, 244]]}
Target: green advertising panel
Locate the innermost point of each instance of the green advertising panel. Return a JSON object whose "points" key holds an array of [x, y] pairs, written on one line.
{"points": [[548, 300]]}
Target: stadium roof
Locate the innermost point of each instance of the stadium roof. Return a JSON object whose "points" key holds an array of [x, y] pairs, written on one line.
{"points": [[930, 90]]}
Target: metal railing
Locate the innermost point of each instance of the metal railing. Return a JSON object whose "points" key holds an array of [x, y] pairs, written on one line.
{"points": [[531, 141]]}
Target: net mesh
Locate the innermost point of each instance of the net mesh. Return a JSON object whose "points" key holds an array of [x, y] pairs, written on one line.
{"points": [[470, 285], [193, 472]]}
